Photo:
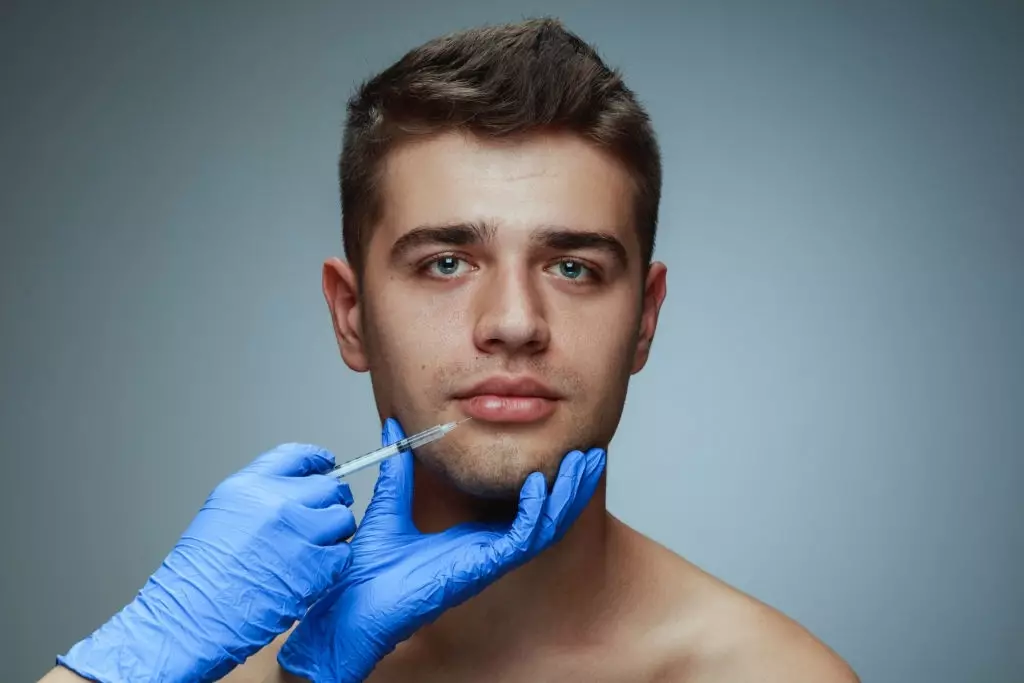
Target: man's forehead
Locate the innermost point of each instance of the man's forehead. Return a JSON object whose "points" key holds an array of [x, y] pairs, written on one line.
{"points": [[529, 184]]}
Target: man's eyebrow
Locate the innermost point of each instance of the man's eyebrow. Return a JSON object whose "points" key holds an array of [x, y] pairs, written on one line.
{"points": [[453, 234], [564, 239]]}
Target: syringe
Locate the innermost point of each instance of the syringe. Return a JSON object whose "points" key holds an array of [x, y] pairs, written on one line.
{"points": [[409, 442]]}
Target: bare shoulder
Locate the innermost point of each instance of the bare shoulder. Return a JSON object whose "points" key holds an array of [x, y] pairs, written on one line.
{"points": [[748, 641], [710, 632]]}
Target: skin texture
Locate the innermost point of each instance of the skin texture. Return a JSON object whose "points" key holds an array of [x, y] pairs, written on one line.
{"points": [[606, 603]]}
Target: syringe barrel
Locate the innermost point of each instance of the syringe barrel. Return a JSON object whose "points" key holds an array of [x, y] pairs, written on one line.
{"points": [[356, 464], [408, 443]]}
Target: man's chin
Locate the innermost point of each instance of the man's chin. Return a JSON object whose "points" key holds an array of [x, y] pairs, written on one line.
{"points": [[492, 472], [484, 486], [499, 483]]}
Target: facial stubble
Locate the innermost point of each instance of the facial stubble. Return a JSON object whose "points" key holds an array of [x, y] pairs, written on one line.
{"points": [[491, 461]]}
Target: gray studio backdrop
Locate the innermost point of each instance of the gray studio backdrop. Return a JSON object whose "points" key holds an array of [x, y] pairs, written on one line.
{"points": [[833, 417]]}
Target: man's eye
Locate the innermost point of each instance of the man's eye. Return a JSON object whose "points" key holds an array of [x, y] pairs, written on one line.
{"points": [[571, 269], [445, 266]]}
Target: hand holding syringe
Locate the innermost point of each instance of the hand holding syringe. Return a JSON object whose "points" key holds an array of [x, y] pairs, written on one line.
{"points": [[408, 443], [389, 574]]}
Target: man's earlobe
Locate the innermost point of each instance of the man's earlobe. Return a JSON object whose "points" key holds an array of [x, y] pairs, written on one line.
{"points": [[341, 291], [640, 356], [655, 289]]}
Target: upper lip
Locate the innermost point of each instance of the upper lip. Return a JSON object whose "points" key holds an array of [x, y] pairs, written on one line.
{"points": [[510, 386]]}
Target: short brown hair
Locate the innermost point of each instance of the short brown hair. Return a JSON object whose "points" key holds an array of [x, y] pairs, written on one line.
{"points": [[495, 82]]}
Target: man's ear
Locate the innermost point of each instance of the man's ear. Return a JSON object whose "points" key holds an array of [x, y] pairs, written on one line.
{"points": [[341, 290], [655, 288]]}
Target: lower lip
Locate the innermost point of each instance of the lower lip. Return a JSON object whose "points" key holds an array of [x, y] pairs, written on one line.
{"points": [[491, 408]]}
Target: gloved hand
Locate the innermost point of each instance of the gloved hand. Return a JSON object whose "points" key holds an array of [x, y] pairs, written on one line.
{"points": [[264, 547], [401, 579]]}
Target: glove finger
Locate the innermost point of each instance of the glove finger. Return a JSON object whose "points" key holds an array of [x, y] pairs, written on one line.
{"points": [[323, 570], [323, 526], [515, 544], [337, 524], [467, 528], [320, 491], [563, 494], [312, 650], [301, 653], [595, 462], [293, 460], [393, 492], [341, 558], [391, 432]]}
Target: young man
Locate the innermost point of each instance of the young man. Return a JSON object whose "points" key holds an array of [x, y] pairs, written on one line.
{"points": [[500, 193]]}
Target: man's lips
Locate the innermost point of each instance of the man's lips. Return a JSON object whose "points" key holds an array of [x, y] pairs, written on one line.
{"points": [[509, 399], [522, 386]]}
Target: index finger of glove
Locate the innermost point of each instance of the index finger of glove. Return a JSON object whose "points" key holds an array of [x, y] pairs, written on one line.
{"points": [[393, 491], [326, 526], [562, 497], [319, 491], [293, 460], [514, 546], [593, 470]]}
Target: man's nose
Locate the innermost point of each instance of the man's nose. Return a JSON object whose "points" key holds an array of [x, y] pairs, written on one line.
{"points": [[511, 317]]}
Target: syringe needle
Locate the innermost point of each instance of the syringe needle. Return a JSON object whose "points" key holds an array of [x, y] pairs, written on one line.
{"points": [[428, 435]]}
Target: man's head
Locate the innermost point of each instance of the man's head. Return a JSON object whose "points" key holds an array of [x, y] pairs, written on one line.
{"points": [[500, 193]]}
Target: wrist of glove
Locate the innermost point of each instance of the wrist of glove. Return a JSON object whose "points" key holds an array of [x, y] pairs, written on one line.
{"points": [[401, 579], [137, 645], [266, 545]]}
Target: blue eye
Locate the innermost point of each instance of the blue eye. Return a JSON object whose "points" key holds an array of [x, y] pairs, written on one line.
{"points": [[572, 269], [445, 266]]}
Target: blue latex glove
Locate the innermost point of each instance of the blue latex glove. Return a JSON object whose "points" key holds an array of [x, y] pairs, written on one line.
{"points": [[401, 579], [265, 546]]}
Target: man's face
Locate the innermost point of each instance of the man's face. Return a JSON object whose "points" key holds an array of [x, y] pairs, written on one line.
{"points": [[504, 282]]}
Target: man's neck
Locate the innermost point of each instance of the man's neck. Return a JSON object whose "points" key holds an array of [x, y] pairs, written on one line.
{"points": [[538, 604]]}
